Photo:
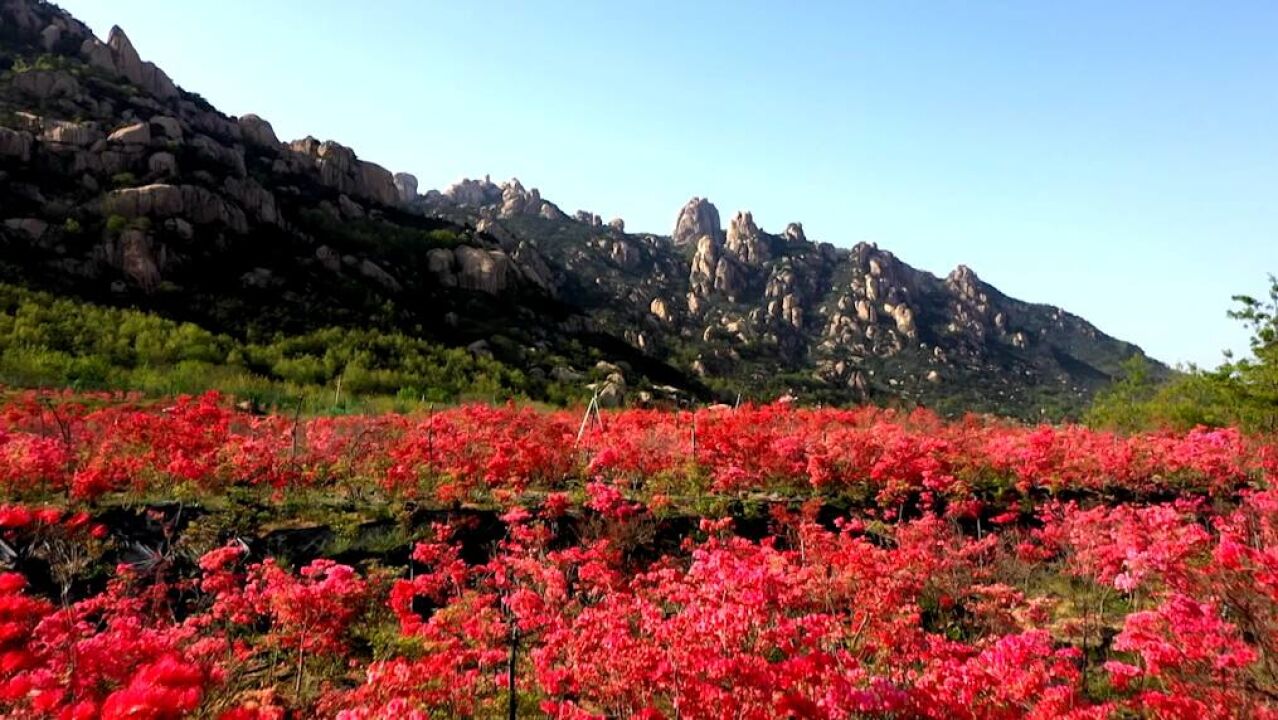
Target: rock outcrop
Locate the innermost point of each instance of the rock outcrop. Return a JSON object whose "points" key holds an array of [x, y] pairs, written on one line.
{"points": [[406, 187], [162, 165], [65, 132], [45, 85], [744, 241], [713, 271], [374, 272], [15, 144], [442, 264], [474, 193], [190, 202], [698, 218], [341, 170], [794, 233], [258, 132], [661, 309], [118, 56], [515, 200], [507, 200], [167, 127], [136, 134], [482, 270], [137, 258]]}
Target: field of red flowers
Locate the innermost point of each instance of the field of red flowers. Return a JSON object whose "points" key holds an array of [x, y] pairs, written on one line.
{"points": [[190, 560]]}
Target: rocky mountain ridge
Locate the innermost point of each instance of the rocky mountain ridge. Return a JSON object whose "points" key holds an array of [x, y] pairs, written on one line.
{"points": [[855, 320], [119, 186]]}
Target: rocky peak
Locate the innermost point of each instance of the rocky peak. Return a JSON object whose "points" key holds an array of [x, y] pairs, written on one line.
{"points": [[794, 233], [515, 200], [118, 57], [697, 218], [127, 61], [964, 282], [744, 240], [970, 310]]}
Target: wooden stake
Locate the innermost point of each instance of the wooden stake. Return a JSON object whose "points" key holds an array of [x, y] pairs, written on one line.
{"points": [[297, 416], [430, 434], [594, 405]]}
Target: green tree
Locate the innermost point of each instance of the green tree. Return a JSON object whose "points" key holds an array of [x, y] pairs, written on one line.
{"points": [[1256, 377], [1241, 392], [1123, 405]]}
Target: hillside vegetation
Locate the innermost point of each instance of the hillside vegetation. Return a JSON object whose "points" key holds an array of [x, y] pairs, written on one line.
{"points": [[1241, 392], [52, 342]]}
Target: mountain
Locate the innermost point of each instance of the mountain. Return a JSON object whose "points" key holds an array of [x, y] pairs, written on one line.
{"points": [[118, 187]]}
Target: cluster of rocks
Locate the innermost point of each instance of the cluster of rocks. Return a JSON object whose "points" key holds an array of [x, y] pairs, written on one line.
{"points": [[157, 154], [471, 268], [336, 165], [190, 203], [55, 32], [745, 264], [745, 242], [341, 170], [118, 56], [974, 313], [874, 315], [834, 307], [169, 165], [492, 200], [510, 199]]}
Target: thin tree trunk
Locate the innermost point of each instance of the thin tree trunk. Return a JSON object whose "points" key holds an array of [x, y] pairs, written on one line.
{"points": [[301, 655], [512, 708]]}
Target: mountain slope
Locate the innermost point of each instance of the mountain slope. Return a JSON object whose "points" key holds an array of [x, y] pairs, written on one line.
{"points": [[120, 187], [757, 311]]}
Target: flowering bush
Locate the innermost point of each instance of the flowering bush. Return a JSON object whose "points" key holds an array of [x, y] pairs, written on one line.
{"points": [[898, 566], [476, 452]]}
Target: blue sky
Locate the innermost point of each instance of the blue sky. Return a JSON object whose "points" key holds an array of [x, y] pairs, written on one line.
{"points": [[1117, 159]]}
